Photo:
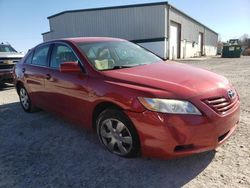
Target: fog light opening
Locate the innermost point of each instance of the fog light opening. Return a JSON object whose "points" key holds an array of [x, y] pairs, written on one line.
{"points": [[223, 136], [183, 147]]}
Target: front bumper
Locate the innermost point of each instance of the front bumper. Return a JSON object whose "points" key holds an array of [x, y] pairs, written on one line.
{"points": [[167, 136]]}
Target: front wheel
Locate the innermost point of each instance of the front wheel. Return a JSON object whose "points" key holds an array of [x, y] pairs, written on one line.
{"points": [[117, 133]]}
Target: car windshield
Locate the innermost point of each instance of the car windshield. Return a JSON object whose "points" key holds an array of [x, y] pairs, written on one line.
{"points": [[7, 48], [116, 54]]}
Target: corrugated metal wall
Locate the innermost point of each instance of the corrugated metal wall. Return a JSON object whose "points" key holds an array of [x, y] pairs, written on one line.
{"points": [[131, 23], [190, 29], [144, 24], [210, 38]]}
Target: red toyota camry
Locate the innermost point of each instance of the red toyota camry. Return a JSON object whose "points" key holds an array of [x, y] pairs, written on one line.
{"points": [[136, 102]]}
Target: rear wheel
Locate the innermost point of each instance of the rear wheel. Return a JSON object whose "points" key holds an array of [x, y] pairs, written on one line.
{"points": [[25, 100], [117, 133]]}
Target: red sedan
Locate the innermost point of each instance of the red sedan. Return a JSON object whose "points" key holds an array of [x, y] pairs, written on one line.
{"points": [[136, 102]]}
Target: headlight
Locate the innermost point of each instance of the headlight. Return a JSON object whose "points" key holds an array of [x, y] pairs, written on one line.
{"points": [[169, 106]]}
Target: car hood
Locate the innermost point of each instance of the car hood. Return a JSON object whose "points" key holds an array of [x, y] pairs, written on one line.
{"points": [[181, 80], [11, 55]]}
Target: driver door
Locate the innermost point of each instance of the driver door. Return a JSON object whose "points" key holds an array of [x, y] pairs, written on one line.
{"points": [[66, 91]]}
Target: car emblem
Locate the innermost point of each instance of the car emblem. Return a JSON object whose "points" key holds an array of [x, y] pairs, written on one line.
{"points": [[231, 94]]}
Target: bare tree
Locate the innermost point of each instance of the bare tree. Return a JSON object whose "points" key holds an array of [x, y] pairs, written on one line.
{"points": [[244, 40]]}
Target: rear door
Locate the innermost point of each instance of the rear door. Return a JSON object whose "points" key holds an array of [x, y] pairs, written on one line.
{"points": [[35, 69], [67, 92]]}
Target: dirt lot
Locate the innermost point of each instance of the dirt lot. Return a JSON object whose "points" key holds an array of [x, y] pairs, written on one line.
{"points": [[41, 150]]}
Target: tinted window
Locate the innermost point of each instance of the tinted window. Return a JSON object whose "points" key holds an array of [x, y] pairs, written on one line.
{"points": [[7, 48], [61, 54], [28, 58], [40, 56]]}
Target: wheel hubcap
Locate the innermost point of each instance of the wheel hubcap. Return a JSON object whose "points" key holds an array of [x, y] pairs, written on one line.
{"points": [[24, 98], [116, 136]]}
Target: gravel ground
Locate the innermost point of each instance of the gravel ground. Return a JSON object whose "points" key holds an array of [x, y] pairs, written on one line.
{"points": [[41, 150]]}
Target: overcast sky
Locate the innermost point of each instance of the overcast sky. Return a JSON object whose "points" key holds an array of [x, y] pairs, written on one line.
{"points": [[23, 21]]}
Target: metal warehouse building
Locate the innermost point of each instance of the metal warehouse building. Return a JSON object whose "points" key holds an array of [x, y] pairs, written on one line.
{"points": [[160, 27]]}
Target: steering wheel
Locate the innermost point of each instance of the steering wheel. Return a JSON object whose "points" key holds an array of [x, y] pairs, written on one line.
{"points": [[127, 60]]}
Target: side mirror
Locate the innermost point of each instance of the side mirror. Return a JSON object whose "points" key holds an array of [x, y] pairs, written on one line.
{"points": [[70, 67]]}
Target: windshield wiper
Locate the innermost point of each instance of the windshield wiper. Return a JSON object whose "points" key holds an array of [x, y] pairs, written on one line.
{"points": [[125, 66], [128, 66], [121, 67]]}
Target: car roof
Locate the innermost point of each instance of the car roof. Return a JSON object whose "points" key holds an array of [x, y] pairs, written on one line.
{"points": [[88, 39]]}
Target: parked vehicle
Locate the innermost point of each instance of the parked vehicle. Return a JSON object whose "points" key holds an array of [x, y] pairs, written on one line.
{"points": [[136, 102], [232, 49], [8, 58]]}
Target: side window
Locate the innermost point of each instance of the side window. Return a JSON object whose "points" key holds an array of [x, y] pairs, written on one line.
{"points": [[28, 60], [61, 54], [40, 56]]}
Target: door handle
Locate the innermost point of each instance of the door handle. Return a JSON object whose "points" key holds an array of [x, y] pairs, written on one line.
{"points": [[23, 70], [48, 76]]}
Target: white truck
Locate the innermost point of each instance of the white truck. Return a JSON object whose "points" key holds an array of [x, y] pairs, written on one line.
{"points": [[8, 58]]}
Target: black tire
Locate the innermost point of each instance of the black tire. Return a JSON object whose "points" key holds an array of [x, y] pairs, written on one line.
{"points": [[25, 100], [126, 138]]}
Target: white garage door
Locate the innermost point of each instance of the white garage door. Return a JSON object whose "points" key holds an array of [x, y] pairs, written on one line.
{"points": [[173, 51]]}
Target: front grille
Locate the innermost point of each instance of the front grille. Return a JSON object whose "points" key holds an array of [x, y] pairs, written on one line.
{"points": [[9, 60], [221, 105], [6, 66]]}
